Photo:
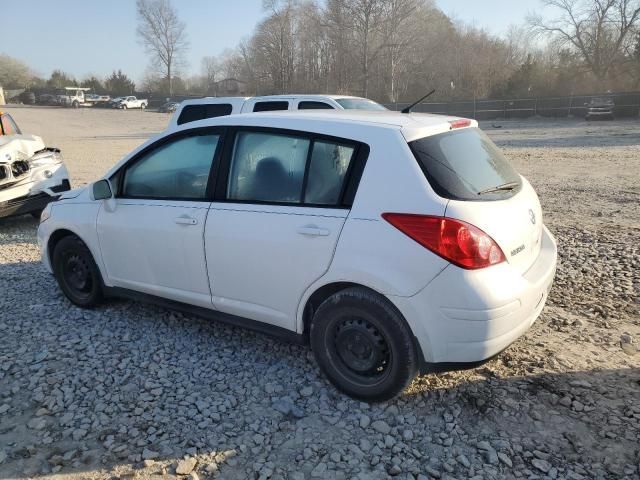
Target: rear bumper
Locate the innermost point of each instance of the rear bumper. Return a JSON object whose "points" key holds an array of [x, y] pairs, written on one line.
{"points": [[465, 317]]}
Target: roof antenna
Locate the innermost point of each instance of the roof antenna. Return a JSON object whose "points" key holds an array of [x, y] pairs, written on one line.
{"points": [[408, 109]]}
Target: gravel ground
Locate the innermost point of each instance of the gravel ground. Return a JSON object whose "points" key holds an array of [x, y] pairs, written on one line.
{"points": [[135, 391]]}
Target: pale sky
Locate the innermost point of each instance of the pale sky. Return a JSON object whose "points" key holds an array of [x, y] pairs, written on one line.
{"points": [[85, 37]]}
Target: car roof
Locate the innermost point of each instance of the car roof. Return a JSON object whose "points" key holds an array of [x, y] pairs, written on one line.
{"points": [[412, 125]]}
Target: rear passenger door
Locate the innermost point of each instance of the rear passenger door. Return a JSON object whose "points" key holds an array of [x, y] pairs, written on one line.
{"points": [[282, 199]]}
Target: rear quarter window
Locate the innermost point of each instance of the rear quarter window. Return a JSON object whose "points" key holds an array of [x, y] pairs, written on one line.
{"points": [[193, 113], [462, 164]]}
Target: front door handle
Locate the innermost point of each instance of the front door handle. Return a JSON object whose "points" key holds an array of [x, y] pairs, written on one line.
{"points": [[185, 220], [313, 231]]}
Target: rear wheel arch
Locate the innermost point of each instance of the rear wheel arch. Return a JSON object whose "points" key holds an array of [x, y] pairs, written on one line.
{"points": [[325, 291]]}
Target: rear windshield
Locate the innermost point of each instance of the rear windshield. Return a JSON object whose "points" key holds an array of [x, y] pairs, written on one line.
{"points": [[465, 165], [192, 113]]}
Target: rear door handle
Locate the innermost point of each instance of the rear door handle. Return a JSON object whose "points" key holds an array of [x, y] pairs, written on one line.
{"points": [[313, 231], [185, 220]]}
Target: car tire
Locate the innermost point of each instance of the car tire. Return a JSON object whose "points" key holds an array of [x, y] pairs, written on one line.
{"points": [[124, 107], [143, 106], [77, 272], [75, 105], [363, 345]]}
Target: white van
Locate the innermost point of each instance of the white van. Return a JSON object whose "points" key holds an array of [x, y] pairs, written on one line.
{"points": [[210, 107]]}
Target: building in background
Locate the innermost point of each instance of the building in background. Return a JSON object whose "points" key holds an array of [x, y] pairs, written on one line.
{"points": [[230, 87]]}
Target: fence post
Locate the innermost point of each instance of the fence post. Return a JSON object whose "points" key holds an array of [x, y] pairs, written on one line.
{"points": [[570, 105]]}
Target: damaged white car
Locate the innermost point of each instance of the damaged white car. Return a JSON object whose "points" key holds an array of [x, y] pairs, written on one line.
{"points": [[31, 175]]}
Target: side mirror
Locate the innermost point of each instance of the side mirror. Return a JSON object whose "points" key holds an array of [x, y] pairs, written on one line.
{"points": [[102, 190]]}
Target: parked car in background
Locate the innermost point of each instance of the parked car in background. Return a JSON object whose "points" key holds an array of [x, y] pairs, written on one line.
{"points": [[600, 108], [393, 243], [132, 102], [168, 107], [28, 98], [210, 107], [96, 100], [31, 175], [47, 99], [112, 103]]}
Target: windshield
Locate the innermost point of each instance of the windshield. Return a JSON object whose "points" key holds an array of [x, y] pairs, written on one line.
{"points": [[359, 104], [466, 165]]}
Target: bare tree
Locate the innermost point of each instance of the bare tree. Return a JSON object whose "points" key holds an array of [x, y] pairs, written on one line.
{"points": [[163, 34], [396, 38], [366, 16], [210, 72], [596, 29]]}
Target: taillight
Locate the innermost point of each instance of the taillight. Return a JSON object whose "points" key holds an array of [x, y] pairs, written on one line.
{"points": [[463, 122], [454, 240]]}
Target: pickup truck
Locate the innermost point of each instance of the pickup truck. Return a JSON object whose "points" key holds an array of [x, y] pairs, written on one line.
{"points": [[132, 102]]}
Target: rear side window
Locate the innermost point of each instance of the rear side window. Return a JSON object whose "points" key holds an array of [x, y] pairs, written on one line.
{"points": [[327, 171], [283, 168], [464, 164], [314, 106], [192, 113], [270, 106], [267, 168]]}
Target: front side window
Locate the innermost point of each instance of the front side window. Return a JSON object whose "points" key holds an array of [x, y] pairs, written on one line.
{"points": [[270, 106], [267, 167], [178, 169]]}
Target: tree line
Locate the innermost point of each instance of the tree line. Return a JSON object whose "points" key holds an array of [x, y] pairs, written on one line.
{"points": [[389, 50], [397, 50]]}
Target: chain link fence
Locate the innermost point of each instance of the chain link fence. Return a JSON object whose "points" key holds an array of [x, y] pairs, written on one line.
{"points": [[626, 105]]}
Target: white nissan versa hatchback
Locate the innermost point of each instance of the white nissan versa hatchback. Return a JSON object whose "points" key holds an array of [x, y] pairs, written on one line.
{"points": [[393, 243]]}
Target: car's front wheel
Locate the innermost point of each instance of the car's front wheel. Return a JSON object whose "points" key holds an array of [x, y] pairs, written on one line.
{"points": [[363, 345], [77, 272]]}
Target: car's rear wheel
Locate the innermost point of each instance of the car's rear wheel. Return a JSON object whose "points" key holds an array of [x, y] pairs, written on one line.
{"points": [[77, 272], [143, 106], [363, 345]]}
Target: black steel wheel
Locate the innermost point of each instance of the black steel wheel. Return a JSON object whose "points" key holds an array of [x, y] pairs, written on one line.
{"points": [[77, 272], [363, 345]]}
